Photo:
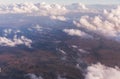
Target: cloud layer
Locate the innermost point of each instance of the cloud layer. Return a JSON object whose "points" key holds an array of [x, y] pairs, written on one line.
{"points": [[40, 8], [86, 21]]}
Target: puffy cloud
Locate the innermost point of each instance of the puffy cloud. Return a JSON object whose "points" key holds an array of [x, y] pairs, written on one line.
{"points": [[76, 32], [18, 8], [33, 76], [80, 8], [37, 27], [59, 77], [16, 41], [52, 9], [17, 31], [42, 9], [9, 31], [113, 16], [106, 24], [61, 18], [99, 71], [77, 6]]}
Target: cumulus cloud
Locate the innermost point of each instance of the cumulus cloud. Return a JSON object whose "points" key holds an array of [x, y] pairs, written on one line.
{"points": [[52, 9], [7, 31], [106, 24], [77, 7], [61, 18], [76, 32], [37, 27], [42, 9], [59, 77], [80, 8], [33, 76], [18, 8], [15, 41], [99, 71]]}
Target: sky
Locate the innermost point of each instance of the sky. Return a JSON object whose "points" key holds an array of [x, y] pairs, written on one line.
{"points": [[65, 1]]}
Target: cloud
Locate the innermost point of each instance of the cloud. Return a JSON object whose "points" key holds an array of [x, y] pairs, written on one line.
{"points": [[77, 6], [52, 9], [83, 51], [15, 41], [59, 77], [60, 18], [62, 51], [76, 32], [42, 9], [7, 31], [37, 27], [18, 8], [33, 76], [99, 71], [106, 24]]}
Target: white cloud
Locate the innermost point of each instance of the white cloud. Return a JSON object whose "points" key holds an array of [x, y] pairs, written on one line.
{"points": [[76, 32], [61, 18], [51, 9], [74, 46], [36, 27], [15, 41], [77, 6], [18, 8], [59, 77], [33, 76], [80, 8], [83, 51], [99, 71], [42, 9], [17, 31], [106, 24], [7, 31], [62, 51]]}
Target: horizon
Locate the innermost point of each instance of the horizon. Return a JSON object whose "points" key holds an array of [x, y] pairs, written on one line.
{"points": [[93, 2]]}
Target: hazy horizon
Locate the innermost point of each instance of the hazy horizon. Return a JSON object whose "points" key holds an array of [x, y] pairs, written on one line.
{"points": [[64, 2]]}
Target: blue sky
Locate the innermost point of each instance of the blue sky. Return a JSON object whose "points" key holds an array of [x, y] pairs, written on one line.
{"points": [[65, 1]]}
